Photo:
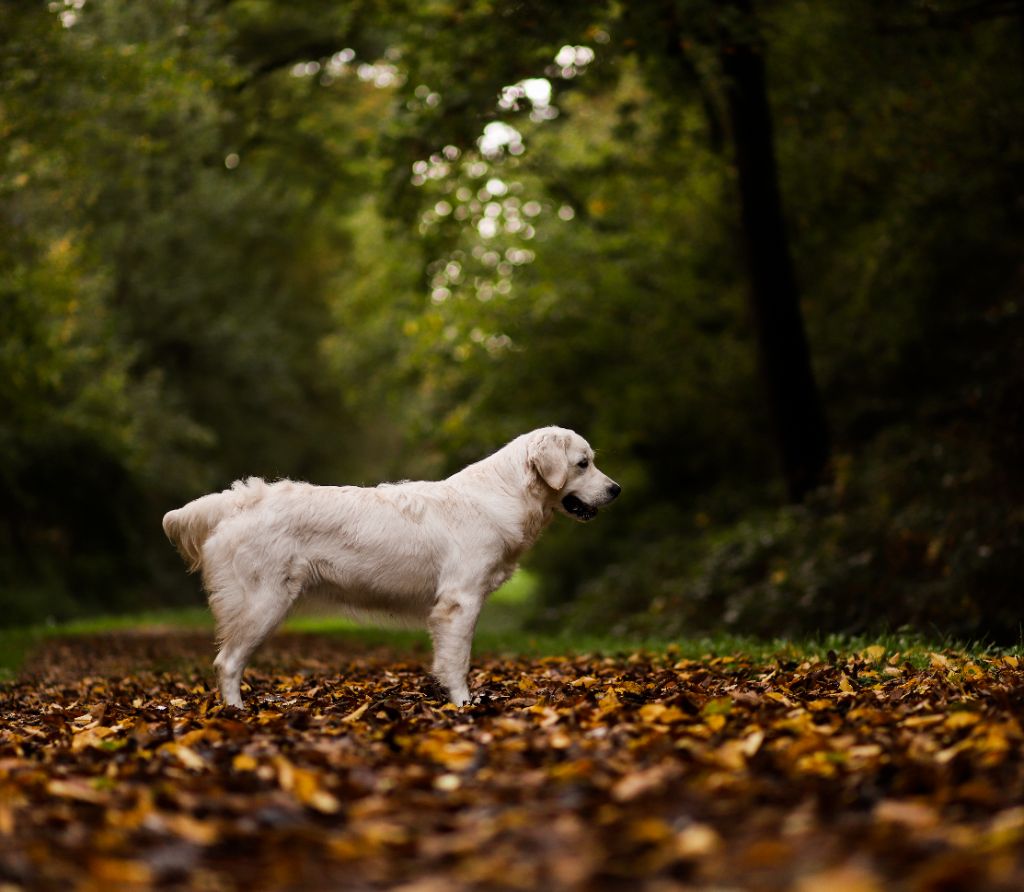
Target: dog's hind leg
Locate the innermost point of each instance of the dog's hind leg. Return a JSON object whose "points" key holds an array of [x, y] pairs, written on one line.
{"points": [[244, 621], [452, 622]]}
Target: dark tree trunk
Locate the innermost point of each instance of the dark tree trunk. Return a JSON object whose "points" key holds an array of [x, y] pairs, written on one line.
{"points": [[775, 299]]}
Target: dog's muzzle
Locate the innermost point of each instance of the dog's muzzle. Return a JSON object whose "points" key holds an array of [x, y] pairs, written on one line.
{"points": [[578, 508], [581, 510]]}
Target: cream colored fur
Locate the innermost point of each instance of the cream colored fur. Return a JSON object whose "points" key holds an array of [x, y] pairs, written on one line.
{"points": [[422, 552]]}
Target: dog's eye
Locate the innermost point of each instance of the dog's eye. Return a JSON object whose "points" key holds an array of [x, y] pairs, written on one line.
{"points": [[583, 463]]}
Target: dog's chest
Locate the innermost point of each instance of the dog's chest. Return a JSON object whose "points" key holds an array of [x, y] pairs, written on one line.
{"points": [[500, 575]]}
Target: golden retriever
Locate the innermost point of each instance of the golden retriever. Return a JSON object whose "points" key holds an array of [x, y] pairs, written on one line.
{"points": [[427, 552]]}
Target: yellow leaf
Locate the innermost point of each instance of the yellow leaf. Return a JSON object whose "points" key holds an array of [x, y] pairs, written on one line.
{"points": [[659, 713], [75, 789], [560, 741], [752, 742], [719, 706], [201, 833], [244, 762], [963, 719], [119, 871], [820, 764], [323, 802], [1007, 828], [865, 751], [996, 738], [730, 755], [306, 786], [972, 671], [379, 833], [187, 756], [89, 737], [846, 685], [649, 830], [609, 702], [949, 754], [201, 734], [716, 722], [585, 681], [652, 712], [447, 750], [846, 878], [696, 841], [638, 783], [356, 713], [672, 715], [567, 771], [875, 652], [447, 783]]}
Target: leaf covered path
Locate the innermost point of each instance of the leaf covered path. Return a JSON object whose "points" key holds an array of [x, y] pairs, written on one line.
{"points": [[119, 768]]}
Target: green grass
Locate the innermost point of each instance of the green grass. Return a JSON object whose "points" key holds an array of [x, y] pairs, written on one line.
{"points": [[180, 618], [503, 615], [17, 643], [501, 632]]}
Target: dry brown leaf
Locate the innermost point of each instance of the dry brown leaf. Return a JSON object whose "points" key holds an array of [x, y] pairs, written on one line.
{"points": [[571, 773]]}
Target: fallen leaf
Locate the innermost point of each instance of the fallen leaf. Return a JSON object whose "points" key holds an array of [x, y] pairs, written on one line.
{"points": [[356, 713], [570, 773], [697, 841], [914, 815]]}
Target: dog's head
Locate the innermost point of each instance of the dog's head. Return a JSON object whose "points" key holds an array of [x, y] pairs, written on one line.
{"points": [[564, 462]]}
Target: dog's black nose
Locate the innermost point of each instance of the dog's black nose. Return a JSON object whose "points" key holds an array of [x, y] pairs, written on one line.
{"points": [[614, 490]]}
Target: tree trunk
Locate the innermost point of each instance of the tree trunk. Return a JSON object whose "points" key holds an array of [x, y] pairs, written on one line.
{"points": [[782, 342]]}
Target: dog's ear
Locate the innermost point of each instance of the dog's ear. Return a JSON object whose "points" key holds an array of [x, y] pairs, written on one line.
{"points": [[548, 456]]}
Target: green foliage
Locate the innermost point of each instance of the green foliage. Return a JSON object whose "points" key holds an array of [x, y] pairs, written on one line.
{"points": [[377, 240], [628, 320], [165, 293], [909, 537]]}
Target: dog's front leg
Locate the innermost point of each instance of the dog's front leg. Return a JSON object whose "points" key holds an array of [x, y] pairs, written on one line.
{"points": [[452, 622]]}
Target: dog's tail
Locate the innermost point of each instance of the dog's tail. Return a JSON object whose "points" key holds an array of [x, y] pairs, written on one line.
{"points": [[190, 526]]}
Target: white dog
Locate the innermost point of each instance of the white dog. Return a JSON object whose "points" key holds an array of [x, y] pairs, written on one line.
{"points": [[422, 551]]}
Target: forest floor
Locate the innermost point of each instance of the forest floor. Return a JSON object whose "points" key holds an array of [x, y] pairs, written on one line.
{"points": [[852, 772]]}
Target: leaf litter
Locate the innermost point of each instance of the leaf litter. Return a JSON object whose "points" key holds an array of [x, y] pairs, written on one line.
{"points": [[119, 768]]}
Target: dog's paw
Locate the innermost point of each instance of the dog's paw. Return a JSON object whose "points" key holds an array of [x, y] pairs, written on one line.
{"points": [[480, 698], [459, 696]]}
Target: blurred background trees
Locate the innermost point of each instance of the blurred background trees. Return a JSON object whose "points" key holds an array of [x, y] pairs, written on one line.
{"points": [[379, 240]]}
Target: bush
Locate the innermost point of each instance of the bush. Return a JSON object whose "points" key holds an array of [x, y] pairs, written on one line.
{"points": [[911, 534]]}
